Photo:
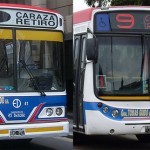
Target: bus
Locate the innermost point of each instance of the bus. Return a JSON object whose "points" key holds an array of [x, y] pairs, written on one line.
{"points": [[111, 71], [32, 79]]}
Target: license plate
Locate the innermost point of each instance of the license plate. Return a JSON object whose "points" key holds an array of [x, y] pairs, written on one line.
{"points": [[17, 132], [147, 129]]}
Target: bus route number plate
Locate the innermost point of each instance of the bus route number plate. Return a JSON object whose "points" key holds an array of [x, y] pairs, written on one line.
{"points": [[147, 129], [17, 132]]}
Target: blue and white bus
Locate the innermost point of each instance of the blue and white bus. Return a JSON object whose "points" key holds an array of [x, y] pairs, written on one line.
{"points": [[111, 71], [32, 80]]}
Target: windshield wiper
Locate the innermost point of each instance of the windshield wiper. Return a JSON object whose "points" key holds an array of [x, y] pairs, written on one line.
{"points": [[32, 78]]}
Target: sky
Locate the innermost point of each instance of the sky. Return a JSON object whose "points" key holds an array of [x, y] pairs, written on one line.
{"points": [[79, 5]]}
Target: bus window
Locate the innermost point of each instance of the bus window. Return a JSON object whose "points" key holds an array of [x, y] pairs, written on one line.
{"points": [[40, 66], [120, 66]]}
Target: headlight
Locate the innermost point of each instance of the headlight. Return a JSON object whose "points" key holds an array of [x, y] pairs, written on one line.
{"points": [[49, 111], [115, 113], [105, 109], [59, 111]]}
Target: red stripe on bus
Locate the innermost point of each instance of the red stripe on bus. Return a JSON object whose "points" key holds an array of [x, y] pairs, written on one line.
{"points": [[35, 113], [1, 120], [50, 120], [86, 15], [82, 16]]}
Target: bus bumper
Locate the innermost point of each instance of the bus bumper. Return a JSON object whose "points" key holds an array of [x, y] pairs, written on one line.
{"points": [[100, 125], [25, 131]]}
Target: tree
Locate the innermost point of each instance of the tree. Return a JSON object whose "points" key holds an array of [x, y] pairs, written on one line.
{"points": [[92, 3], [99, 3]]}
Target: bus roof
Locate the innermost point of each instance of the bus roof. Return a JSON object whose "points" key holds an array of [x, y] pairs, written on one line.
{"points": [[85, 15], [19, 6]]}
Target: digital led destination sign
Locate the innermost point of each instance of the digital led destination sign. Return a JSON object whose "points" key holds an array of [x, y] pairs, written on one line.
{"points": [[122, 21]]}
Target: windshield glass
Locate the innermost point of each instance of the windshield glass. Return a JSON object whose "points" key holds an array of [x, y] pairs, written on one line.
{"points": [[122, 66], [38, 64], [6, 61]]}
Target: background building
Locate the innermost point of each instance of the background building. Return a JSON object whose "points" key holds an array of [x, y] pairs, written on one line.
{"points": [[65, 8]]}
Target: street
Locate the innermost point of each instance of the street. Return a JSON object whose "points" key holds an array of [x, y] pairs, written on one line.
{"points": [[39, 144], [107, 142]]}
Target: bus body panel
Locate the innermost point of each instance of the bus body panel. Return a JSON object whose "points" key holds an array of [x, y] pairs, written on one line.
{"points": [[18, 109], [101, 125], [130, 111], [32, 111], [134, 111], [34, 130]]}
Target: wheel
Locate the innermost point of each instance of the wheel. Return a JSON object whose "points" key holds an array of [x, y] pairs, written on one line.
{"points": [[144, 138], [78, 138]]}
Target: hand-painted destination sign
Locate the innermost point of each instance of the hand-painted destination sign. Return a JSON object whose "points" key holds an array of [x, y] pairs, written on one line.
{"points": [[28, 18]]}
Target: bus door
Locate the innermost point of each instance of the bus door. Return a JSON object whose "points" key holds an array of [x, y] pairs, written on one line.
{"points": [[79, 71], [146, 62]]}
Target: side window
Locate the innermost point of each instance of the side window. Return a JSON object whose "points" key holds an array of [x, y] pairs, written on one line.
{"points": [[40, 61]]}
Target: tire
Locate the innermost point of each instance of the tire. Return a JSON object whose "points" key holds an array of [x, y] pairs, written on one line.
{"points": [[78, 138], [144, 138]]}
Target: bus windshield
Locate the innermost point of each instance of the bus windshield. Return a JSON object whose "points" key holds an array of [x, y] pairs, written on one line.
{"points": [[122, 66], [38, 61]]}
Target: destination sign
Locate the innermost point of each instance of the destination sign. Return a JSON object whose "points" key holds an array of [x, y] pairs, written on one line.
{"points": [[135, 113], [28, 18], [122, 21]]}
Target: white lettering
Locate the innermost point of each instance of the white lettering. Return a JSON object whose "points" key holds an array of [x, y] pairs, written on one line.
{"points": [[19, 115]]}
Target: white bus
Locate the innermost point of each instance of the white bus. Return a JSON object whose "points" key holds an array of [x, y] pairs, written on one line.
{"points": [[32, 80], [111, 71]]}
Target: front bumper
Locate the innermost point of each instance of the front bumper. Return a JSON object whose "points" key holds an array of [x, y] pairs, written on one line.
{"points": [[100, 125], [34, 130]]}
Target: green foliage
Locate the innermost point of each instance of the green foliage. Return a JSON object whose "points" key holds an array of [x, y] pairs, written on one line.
{"points": [[91, 2], [118, 2], [100, 2]]}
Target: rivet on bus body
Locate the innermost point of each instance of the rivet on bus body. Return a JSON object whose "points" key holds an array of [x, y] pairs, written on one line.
{"points": [[112, 131], [99, 104]]}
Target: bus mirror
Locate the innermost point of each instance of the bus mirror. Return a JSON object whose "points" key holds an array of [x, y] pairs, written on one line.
{"points": [[91, 49]]}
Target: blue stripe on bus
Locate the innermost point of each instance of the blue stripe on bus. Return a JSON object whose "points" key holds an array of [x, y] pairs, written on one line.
{"points": [[88, 106], [124, 114], [20, 107], [93, 106]]}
